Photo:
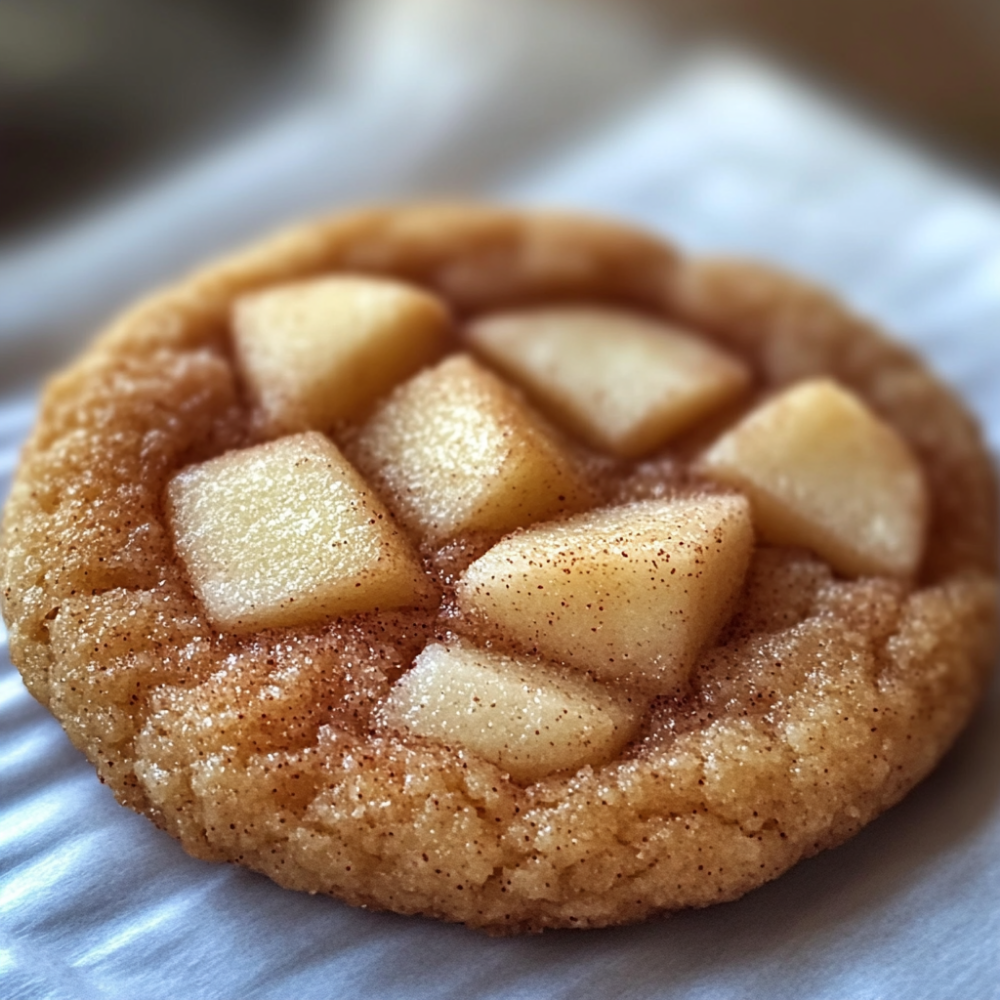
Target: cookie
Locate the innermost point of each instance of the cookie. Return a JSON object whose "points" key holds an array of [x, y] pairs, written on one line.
{"points": [[510, 569]]}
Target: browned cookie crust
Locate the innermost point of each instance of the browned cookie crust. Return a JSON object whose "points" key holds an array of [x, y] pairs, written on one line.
{"points": [[823, 702]]}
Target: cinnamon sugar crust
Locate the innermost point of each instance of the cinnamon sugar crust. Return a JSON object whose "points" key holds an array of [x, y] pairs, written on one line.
{"points": [[820, 705]]}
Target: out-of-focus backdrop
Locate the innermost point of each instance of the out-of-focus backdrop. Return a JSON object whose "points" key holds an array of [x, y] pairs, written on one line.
{"points": [[98, 95]]}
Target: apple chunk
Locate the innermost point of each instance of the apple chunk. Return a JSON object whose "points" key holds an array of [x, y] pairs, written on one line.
{"points": [[288, 533], [455, 451], [624, 383], [524, 716], [630, 593], [321, 351], [823, 472]]}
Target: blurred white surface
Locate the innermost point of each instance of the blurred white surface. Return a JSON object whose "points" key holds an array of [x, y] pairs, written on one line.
{"points": [[722, 155]]}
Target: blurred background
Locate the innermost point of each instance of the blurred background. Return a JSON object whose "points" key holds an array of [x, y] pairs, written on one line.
{"points": [[100, 96], [95, 91]]}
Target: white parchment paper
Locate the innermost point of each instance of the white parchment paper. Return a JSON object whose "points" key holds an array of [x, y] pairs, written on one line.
{"points": [[95, 903]]}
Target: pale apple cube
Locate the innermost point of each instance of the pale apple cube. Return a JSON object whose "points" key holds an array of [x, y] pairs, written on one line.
{"points": [[455, 450], [524, 716], [288, 533], [624, 383], [321, 351], [825, 473], [631, 593]]}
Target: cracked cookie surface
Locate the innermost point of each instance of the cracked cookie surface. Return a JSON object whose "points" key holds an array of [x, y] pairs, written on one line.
{"points": [[816, 701]]}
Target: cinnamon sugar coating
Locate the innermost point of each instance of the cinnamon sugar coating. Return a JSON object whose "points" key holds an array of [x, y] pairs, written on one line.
{"points": [[821, 704]]}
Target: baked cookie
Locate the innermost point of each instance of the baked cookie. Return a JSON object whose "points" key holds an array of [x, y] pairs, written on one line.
{"points": [[504, 568]]}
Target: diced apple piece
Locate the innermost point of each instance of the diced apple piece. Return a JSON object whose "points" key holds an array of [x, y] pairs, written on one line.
{"points": [[630, 593], [524, 716], [288, 533], [824, 473], [317, 352], [624, 383], [455, 451]]}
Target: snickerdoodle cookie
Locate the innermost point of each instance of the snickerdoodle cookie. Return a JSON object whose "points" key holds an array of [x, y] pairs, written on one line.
{"points": [[505, 568]]}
